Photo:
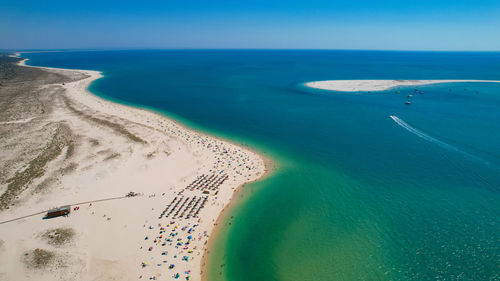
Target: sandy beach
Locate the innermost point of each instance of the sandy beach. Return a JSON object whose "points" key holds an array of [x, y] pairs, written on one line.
{"points": [[380, 85], [70, 147]]}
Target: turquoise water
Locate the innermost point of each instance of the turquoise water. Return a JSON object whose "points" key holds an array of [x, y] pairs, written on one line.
{"points": [[358, 196]]}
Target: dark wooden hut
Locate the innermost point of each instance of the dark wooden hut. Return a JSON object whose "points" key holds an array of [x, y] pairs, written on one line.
{"points": [[62, 211]]}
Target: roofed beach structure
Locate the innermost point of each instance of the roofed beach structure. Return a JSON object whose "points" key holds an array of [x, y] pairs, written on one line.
{"points": [[61, 211]]}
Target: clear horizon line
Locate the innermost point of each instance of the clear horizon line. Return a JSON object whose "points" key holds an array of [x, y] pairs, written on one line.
{"points": [[235, 49]]}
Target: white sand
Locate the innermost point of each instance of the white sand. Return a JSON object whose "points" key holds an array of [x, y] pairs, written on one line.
{"points": [[379, 85], [110, 242]]}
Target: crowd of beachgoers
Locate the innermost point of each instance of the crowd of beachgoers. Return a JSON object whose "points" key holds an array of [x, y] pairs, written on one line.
{"points": [[178, 236]]}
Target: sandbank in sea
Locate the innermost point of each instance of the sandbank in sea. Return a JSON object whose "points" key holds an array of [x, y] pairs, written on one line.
{"points": [[380, 85]]}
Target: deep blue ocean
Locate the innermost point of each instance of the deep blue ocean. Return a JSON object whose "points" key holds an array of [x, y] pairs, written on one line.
{"points": [[357, 195]]}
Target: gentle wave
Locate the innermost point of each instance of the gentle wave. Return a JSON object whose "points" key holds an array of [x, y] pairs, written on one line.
{"points": [[431, 139]]}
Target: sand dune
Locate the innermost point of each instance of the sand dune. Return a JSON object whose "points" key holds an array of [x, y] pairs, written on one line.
{"points": [[103, 151]]}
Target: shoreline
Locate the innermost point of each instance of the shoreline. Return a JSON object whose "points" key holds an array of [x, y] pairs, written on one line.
{"points": [[379, 85], [261, 172], [148, 110], [270, 167]]}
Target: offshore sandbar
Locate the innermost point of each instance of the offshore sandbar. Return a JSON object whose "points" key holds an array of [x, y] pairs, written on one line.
{"points": [[380, 85]]}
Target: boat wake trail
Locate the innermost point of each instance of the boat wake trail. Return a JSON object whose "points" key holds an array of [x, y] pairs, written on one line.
{"points": [[428, 138]]}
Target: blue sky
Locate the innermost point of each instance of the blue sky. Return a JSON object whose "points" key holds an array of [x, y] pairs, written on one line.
{"points": [[274, 24]]}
